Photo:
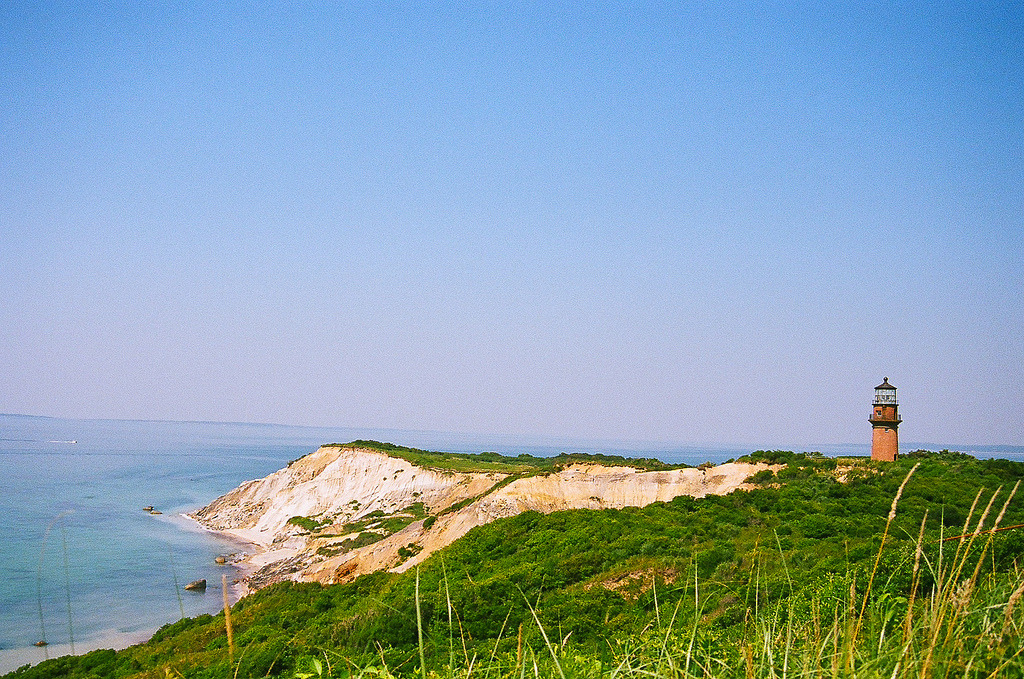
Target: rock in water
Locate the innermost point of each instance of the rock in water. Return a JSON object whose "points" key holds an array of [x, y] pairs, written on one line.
{"points": [[220, 560], [196, 586]]}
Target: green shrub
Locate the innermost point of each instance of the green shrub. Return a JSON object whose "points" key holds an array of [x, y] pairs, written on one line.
{"points": [[305, 523], [763, 476]]}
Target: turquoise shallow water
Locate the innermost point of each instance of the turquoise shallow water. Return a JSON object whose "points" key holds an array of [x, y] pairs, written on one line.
{"points": [[73, 534]]}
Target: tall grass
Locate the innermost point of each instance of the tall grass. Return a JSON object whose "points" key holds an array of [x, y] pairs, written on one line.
{"points": [[177, 588], [67, 582], [67, 585], [957, 620]]}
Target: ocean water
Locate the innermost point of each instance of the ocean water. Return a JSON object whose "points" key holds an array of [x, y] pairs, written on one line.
{"points": [[81, 563]]}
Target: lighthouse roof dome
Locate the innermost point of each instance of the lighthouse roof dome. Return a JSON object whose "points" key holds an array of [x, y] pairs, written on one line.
{"points": [[885, 385]]}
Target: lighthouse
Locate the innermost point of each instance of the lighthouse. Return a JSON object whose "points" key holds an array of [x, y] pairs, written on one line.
{"points": [[885, 419]]}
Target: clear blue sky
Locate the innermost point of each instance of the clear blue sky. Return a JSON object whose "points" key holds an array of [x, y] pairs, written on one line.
{"points": [[707, 222]]}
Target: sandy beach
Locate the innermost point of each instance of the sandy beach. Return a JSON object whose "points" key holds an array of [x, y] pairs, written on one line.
{"points": [[249, 557]]}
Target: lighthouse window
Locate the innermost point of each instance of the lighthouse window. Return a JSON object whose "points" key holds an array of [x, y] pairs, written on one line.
{"points": [[885, 396]]}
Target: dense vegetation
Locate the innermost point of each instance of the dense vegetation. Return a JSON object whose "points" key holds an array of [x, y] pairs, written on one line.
{"points": [[788, 579], [495, 462]]}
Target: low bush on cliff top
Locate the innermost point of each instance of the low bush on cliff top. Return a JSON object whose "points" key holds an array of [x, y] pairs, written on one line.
{"points": [[495, 462]]}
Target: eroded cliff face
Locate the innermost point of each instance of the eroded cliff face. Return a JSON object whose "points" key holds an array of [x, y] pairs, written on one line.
{"points": [[360, 510]]}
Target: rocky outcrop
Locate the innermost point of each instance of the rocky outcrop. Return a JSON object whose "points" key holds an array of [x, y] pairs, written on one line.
{"points": [[341, 512]]}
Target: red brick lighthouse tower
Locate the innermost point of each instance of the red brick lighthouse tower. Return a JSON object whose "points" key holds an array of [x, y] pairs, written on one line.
{"points": [[884, 421]]}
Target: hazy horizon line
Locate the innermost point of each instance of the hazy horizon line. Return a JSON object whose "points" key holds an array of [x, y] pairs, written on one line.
{"points": [[537, 439]]}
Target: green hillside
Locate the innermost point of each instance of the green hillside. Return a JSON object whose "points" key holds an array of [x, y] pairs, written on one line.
{"points": [[789, 579]]}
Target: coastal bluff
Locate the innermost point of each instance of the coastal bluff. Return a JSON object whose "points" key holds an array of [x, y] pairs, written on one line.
{"points": [[349, 509]]}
